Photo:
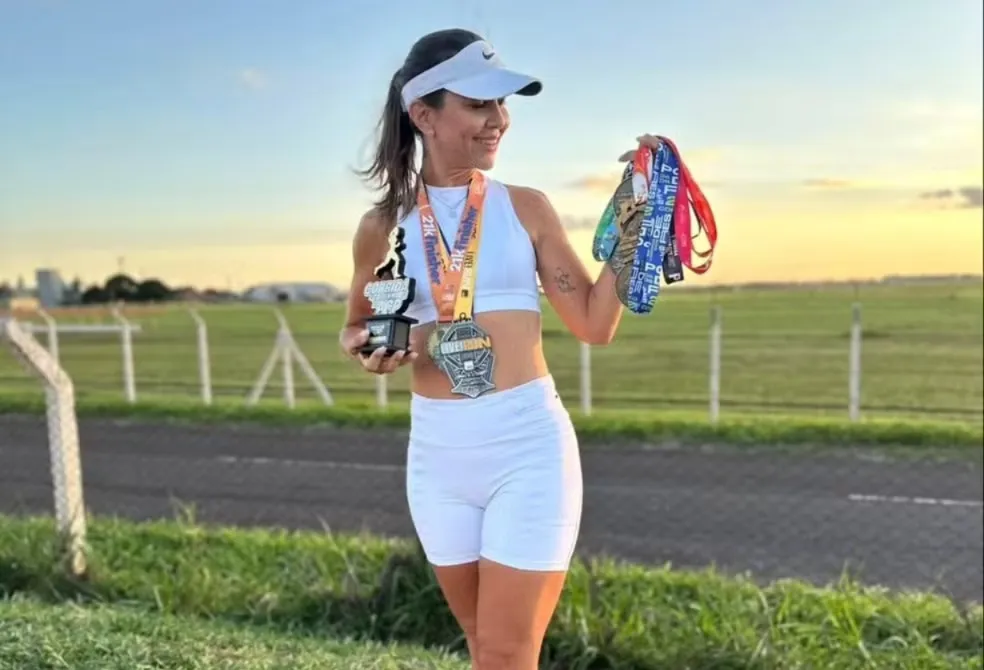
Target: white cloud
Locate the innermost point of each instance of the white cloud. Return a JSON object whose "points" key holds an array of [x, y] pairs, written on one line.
{"points": [[253, 79]]}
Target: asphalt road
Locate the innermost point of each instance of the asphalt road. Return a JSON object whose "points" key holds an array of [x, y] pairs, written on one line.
{"points": [[900, 523]]}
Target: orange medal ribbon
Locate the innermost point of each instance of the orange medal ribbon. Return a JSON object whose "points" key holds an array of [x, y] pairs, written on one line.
{"points": [[451, 272]]}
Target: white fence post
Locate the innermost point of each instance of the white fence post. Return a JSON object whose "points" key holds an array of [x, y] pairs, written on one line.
{"points": [[63, 439], [286, 360], [126, 339], [285, 348], [382, 391], [714, 390], [52, 335], [586, 378], [854, 366], [204, 359]]}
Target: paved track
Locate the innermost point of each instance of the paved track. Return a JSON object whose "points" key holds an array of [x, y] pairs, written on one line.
{"points": [[898, 523]]}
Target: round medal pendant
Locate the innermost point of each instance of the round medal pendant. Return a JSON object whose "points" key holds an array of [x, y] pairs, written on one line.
{"points": [[434, 343]]}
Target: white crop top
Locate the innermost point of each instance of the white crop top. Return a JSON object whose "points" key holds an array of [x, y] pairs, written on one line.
{"points": [[506, 277]]}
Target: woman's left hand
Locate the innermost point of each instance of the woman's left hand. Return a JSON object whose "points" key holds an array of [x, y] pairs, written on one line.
{"points": [[647, 140]]}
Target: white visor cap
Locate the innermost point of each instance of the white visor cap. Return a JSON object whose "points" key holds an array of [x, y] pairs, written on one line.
{"points": [[475, 72]]}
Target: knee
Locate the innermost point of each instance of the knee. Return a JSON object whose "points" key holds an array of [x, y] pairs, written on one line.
{"points": [[506, 653], [470, 628]]}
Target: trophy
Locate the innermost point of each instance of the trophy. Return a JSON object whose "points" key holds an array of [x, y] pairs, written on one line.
{"points": [[390, 296]]}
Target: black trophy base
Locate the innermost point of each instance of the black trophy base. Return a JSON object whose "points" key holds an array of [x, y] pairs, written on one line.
{"points": [[388, 330]]}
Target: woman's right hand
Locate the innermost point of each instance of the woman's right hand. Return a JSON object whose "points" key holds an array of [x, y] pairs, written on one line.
{"points": [[353, 338]]}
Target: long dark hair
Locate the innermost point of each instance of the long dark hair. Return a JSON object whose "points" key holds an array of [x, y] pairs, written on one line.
{"points": [[393, 165]]}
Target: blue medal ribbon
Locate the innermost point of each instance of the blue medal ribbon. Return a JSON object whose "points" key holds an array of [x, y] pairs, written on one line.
{"points": [[654, 231]]}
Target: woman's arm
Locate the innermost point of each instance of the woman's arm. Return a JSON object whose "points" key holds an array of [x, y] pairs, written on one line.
{"points": [[368, 251], [589, 308], [370, 246]]}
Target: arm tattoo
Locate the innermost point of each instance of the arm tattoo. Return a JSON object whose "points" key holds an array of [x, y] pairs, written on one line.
{"points": [[563, 281]]}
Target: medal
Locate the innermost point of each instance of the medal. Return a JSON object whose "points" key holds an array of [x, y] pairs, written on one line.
{"points": [[459, 347], [628, 214], [463, 351]]}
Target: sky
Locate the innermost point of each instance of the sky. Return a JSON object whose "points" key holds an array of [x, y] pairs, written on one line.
{"points": [[213, 143]]}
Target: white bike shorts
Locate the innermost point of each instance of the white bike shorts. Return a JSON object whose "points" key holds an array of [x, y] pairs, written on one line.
{"points": [[498, 476]]}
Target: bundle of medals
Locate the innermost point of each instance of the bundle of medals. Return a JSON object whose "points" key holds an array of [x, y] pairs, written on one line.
{"points": [[646, 231]]}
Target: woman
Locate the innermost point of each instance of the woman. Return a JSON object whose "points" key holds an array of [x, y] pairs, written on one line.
{"points": [[493, 471]]}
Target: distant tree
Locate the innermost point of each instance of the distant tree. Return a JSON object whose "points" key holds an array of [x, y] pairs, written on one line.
{"points": [[94, 295], [152, 290], [73, 293], [121, 287]]}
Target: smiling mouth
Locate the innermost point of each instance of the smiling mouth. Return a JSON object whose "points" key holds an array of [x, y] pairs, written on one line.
{"points": [[489, 143]]}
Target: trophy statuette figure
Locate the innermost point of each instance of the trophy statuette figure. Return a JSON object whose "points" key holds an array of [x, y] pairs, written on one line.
{"points": [[390, 296]]}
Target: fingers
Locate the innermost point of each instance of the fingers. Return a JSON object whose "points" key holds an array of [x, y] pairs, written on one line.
{"points": [[651, 141], [379, 363], [351, 344]]}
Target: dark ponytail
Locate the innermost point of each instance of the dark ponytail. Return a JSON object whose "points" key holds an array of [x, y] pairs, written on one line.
{"points": [[393, 168]]}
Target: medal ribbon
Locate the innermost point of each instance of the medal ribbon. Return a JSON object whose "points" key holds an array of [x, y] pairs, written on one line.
{"points": [[451, 272], [693, 198], [670, 191]]}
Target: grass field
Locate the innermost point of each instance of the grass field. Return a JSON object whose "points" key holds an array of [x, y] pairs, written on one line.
{"points": [[784, 351], [255, 586], [919, 438], [35, 635]]}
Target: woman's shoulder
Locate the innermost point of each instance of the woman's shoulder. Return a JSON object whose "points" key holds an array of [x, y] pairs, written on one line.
{"points": [[374, 222], [372, 233], [522, 191], [533, 207]]}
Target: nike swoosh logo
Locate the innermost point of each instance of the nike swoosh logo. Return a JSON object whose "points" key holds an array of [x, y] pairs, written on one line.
{"points": [[488, 56]]}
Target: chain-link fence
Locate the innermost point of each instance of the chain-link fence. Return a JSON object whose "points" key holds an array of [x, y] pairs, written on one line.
{"points": [[901, 518], [882, 351], [904, 522]]}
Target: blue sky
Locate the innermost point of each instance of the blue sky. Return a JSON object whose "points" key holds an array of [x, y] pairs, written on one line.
{"points": [[211, 142]]}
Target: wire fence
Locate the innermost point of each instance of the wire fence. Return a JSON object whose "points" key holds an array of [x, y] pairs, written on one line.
{"points": [[910, 521], [813, 353]]}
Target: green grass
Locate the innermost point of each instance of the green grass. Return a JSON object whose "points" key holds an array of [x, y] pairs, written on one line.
{"points": [[39, 636], [611, 615], [941, 438], [784, 351]]}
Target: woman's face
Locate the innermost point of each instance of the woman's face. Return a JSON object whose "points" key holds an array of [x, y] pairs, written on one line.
{"points": [[466, 132]]}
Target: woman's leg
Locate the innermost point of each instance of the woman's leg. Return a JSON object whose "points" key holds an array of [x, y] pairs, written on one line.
{"points": [[459, 584], [450, 531], [514, 610], [529, 532]]}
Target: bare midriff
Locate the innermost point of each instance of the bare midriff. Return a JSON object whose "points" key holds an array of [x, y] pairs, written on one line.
{"points": [[516, 343]]}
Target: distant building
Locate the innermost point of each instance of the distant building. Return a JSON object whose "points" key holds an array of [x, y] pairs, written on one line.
{"points": [[50, 288], [292, 292]]}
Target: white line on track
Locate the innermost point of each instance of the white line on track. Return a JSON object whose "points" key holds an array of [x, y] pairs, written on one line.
{"points": [[339, 465], [907, 500]]}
